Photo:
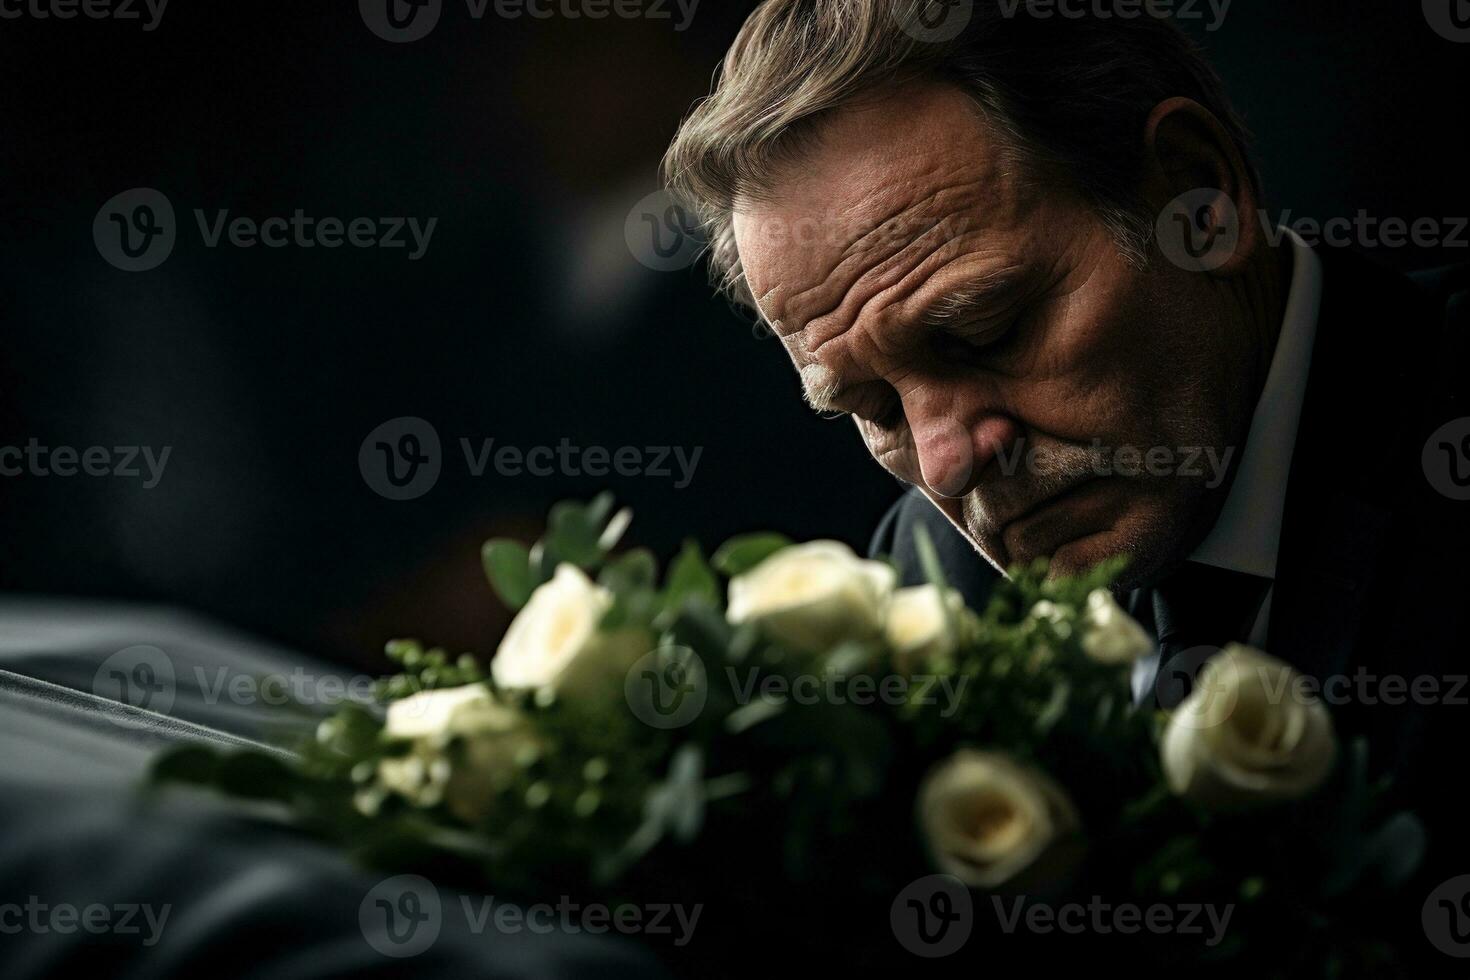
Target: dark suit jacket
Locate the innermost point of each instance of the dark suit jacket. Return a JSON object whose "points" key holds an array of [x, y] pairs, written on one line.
{"points": [[1373, 574]]}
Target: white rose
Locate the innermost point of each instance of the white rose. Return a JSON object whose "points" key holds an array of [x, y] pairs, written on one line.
{"points": [[556, 629], [465, 745], [1247, 733], [919, 628], [813, 596], [987, 820], [443, 713], [1109, 634]]}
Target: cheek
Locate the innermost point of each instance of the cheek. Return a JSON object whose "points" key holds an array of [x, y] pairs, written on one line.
{"points": [[1090, 371], [892, 448]]}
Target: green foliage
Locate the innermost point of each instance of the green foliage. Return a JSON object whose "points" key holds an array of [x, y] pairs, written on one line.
{"points": [[740, 554], [508, 566], [786, 787]]}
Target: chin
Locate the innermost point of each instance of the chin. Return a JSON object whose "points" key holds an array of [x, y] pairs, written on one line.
{"points": [[1086, 553]]}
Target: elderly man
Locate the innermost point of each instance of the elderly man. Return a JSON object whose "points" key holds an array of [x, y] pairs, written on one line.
{"points": [[1025, 255]]}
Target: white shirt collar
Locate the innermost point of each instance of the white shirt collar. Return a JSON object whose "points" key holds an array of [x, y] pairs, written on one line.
{"points": [[1247, 535]]}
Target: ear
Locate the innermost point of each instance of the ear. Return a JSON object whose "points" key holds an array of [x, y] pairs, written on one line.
{"points": [[1199, 184]]}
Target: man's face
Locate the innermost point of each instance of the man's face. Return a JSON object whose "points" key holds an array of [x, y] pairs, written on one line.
{"points": [[992, 343]]}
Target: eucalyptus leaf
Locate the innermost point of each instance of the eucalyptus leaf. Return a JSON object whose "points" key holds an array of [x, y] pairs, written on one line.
{"points": [[740, 554], [572, 533], [690, 576], [508, 567]]}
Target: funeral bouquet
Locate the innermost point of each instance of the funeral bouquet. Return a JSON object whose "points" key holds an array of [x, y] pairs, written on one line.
{"points": [[786, 740]]}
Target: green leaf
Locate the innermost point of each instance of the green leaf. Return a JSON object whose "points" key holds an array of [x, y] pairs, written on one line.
{"points": [[599, 509], [929, 557], [637, 569], [572, 531], [1398, 848], [740, 554], [508, 567], [690, 576]]}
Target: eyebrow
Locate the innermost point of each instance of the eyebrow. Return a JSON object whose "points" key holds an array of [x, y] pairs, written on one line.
{"points": [[945, 312], [823, 391], [958, 305]]}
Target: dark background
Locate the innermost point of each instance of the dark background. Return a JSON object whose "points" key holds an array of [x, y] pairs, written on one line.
{"points": [[528, 320]]}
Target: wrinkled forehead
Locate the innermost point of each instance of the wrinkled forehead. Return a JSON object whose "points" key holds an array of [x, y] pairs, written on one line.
{"points": [[884, 192]]}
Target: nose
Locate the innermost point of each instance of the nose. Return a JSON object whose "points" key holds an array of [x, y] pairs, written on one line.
{"points": [[954, 449]]}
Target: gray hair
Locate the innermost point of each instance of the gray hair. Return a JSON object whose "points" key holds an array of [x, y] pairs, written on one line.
{"points": [[1069, 96]]}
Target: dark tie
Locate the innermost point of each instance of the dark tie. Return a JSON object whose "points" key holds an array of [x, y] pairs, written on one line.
{"points": [[1194, 611]]}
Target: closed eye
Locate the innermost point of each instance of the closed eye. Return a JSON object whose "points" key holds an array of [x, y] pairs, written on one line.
{"points": [[977, 338], [875, 403]]}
